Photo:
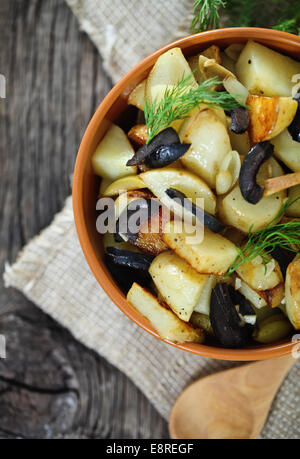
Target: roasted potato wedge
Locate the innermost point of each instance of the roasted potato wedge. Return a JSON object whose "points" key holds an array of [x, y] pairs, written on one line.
{"points": [[178, 283], [168, 70], [234, 51], [159, 180], [137, 96], [292, 293], [165, 322], [235, 211], [122, 185], [267, 285], [203, 304], [213, 255], [103, 186], [269, 116], [150, 236], [210, 143], [124, 199], [213, 52], [294, 209], [287, 150], [272, 329], [265, 72], [240, 142], [138, 135], [258, 277], [273, 296], [113, 152]]}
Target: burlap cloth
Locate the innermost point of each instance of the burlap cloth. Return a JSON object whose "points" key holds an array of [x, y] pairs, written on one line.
{"points": [[52, 272]]}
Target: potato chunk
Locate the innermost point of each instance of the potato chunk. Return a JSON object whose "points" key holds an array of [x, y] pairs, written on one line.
{"points": [[138, 135], [287, 150], [168, 70], [235, 211], [210, 143], [213, 255], [159, 180], [113, 152], [265, 72], [178, 283], [259, 278], [166, 323], [292, 293], [128, 183], [269, 116], [294, 209], [137, 96]]}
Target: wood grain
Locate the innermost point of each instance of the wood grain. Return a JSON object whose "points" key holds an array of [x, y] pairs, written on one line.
{"points": [[50, 385]]}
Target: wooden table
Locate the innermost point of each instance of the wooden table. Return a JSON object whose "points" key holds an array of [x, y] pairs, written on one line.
{"points": [[50, 385]]}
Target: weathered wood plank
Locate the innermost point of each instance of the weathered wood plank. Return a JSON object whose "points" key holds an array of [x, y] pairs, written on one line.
{"points": [[50, 385]]}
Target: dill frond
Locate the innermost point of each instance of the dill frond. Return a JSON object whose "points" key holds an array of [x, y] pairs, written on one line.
{"points": [[206, 15], [277, 14], [178, 101], [262, 243]]}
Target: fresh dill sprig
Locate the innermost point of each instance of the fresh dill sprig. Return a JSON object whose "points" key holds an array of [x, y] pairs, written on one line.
{"points": [[178, 101], [262, 243], [278, 14], [289, 25], [206, 15]]}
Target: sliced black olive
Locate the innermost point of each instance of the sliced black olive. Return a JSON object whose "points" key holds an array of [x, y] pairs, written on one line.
{"points": [[250, 190], [294, 127], [145, 207], [225, 320], [239, 120], [283, 257], [209, 220], [167, 154], [134, 260], [125, 276], [166, 137]]}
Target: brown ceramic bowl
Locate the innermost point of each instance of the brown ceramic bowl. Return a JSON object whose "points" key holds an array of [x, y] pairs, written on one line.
{"points": [[86, 184]]}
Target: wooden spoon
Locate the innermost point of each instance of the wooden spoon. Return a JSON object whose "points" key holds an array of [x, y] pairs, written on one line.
{"points": [[232, 404]]}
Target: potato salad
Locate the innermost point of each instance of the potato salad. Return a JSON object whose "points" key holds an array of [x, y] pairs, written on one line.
{"points": [[200, 183]]}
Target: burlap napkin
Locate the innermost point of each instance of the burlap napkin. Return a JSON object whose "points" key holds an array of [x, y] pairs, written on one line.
{"points": [[52, 272]]}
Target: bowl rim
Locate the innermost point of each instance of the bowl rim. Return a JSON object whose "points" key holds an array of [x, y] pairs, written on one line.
{"points": [[247, 354]]}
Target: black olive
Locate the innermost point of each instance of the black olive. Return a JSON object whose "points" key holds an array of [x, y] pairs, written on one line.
{"points": [[167, 154], [127, 225], [239, 120], [134, 260], [250, 190], [283, 256], [209, 220], [166, 137], [125, 276], [227, 325], [294, 127]]}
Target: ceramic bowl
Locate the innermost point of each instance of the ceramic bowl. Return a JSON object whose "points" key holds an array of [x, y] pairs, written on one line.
{"points": [[86, 184]]}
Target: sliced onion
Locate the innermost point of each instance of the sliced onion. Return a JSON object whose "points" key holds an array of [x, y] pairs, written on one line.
{"points": [[223, 182], [229, 172], [234, 87]]}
